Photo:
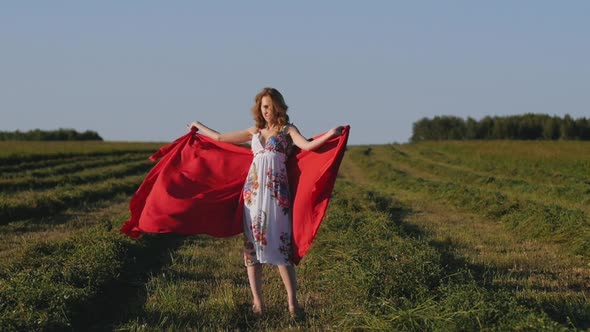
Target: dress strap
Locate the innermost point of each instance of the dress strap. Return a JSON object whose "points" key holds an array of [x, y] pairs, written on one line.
{"points": [[283, 128]]}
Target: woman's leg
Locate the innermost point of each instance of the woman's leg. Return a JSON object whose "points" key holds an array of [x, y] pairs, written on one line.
{"points": [[255, 278], [290, 280]]}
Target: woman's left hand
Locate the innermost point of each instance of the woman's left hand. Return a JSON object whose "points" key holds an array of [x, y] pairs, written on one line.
{"points": [[334, 132]]}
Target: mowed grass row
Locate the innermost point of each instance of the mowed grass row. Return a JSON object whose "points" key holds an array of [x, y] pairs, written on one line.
{"points": [[38, 204], [18, 152], [85, 175], [102, 175], [550, 222], [576, 194], [81, 282], [366, 270], [385, 279], [69, 165], [78, 273], [540, 276], [559, 163], [16, 236]]}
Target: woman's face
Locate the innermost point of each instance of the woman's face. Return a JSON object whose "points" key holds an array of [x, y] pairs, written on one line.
{"points": [[266, 109]]}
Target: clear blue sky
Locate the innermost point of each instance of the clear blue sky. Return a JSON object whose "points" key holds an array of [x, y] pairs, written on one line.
{"points": [[141, 70]]}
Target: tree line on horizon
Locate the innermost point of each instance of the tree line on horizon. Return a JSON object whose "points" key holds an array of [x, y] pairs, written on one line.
{"points": [[61, 134], [528, 126]]}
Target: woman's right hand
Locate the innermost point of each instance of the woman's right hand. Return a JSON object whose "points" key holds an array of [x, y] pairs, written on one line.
{"points": [[195, 125], [335, 132]]}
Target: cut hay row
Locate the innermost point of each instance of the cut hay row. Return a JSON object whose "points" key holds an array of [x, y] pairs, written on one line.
{"points": [[36, 204], [531, 219], [365, 271], [85, 175], [542, 277], [16, 152], [572, 195], [555, 163], [370, 267], [78, 283], [49, 167]]}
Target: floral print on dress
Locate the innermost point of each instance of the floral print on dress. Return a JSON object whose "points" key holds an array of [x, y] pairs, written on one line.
{"points": [[259, 228], [285, 247], [251, 186], [280, 142], [249, 251], [277, 182], [267, 205]]}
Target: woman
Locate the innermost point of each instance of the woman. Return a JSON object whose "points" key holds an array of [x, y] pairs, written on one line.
{"points": [[267, 214]]}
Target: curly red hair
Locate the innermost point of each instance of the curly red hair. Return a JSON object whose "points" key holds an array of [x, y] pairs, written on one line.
{"points": [[279, 107]]}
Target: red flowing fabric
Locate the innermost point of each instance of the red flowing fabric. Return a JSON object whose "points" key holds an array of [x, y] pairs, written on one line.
{"points": [[196, 188]]}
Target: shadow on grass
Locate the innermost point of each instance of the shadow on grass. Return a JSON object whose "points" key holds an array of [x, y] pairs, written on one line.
{"points": [[127, 295], [130, 307], [57, 208], [67, 215], [562, 311]]}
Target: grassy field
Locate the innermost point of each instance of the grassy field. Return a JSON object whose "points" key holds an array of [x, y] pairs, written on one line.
{"points": [[429, 236]]}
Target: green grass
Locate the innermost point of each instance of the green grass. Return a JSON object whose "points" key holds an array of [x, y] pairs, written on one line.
{"points": [[15, 152], [541, 162], [68, 284], [53, 167], [88, 175], [367, 270], [537, 218], [433, 236], [575, 194], [31, 204], [538, 274]]}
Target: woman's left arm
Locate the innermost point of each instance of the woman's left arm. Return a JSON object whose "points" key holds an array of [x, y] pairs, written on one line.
{"points": [[306, 145]]}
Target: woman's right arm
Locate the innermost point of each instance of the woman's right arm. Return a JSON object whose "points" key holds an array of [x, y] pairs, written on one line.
{"points": [[235, 137]]}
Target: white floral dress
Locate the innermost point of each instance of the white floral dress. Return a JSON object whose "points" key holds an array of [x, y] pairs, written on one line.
{"points": [[267, 203]]}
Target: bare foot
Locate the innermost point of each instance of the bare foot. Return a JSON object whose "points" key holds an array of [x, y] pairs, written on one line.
{"points": [[296, 312], [257, 310]]}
